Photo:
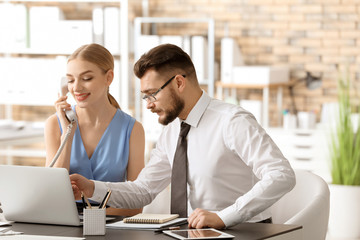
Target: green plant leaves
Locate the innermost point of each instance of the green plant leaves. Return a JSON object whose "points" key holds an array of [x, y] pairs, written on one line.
{"points": [[345, 141]]}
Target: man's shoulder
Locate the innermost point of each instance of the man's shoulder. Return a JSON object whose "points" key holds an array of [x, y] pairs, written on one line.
{"points": [[219, 110], [225, 108]]}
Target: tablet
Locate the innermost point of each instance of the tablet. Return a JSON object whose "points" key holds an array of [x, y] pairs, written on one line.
{"points": [[204, 233]]}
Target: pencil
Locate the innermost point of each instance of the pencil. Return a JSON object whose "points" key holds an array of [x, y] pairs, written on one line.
{"points": [[87, 201], [106, 199], [103, 201], [83, 200]]}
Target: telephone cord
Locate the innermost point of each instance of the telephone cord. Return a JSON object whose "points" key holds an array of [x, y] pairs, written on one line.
{"points": [[67, 134]]}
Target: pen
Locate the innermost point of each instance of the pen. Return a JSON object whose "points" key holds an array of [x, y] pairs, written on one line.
{"points": [[83, 200], [167, 228], [105, 200], [87, 201]]}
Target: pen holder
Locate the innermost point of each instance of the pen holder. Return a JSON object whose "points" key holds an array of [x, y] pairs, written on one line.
{"points": [[94, 221]]}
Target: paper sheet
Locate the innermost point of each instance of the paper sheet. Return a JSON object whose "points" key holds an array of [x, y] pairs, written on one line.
{"points": [[38, 237], [5, 223], [8, 232]]}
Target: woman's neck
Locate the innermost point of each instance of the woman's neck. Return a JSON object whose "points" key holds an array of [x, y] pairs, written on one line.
{"points": [[96, 114]]}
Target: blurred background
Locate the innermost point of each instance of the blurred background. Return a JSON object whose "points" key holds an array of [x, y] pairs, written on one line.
{"points": [[279, 59]]}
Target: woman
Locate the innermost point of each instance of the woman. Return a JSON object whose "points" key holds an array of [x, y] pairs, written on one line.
{"points": [[105, 144]]}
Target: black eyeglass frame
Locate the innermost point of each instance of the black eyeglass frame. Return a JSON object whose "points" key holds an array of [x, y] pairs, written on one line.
{"points": [[151, 98]]}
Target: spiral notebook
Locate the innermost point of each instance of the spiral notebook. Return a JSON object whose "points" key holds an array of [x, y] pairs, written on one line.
{"points": [[147, 226], [150, 218]]}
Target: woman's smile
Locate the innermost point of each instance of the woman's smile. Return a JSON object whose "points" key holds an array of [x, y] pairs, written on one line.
{"points": [[82, 96]]}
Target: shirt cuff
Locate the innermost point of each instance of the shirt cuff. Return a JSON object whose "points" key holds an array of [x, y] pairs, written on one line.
{"points": [[99, 191], [230, 217]]}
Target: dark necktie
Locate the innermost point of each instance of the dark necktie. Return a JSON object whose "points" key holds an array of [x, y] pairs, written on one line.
{"points": [[179, 174]]}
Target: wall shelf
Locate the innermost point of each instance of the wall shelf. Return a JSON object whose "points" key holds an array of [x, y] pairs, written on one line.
{"points": [[220, 86], [156, 20], [36, 53], [39, 95]]}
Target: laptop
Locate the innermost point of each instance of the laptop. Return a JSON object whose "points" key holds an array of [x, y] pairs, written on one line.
{"points": [[37, 195]]}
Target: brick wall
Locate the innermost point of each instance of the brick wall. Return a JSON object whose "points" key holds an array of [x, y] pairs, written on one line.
{"points": [[316, 36], [308, 35]]}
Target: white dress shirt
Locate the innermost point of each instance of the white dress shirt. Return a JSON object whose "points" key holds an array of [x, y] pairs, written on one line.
{"points": [[234, 167]]}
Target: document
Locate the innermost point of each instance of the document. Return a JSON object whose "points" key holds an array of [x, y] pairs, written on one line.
{"points": [[146, 226], [40, 237], [6, 223], [8, 232]]}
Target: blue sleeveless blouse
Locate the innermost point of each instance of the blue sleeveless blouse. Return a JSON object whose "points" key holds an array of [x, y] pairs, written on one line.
{"points": [[110, 158]]}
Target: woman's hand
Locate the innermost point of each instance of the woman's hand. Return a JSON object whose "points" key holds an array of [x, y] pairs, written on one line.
{"points": [[61, 106]]}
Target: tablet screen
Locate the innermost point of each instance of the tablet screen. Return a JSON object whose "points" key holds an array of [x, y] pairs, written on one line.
{"points": [[209, 233]]}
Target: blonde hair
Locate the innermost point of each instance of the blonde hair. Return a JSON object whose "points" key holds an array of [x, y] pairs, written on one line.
{"points": [[101, 57]]}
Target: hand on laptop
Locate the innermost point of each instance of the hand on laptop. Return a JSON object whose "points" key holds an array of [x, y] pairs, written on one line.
{"points": [[201, 218], [81, 184]]}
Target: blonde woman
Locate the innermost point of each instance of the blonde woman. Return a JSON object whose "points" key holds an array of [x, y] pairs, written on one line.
{"points": [[106, 143]]}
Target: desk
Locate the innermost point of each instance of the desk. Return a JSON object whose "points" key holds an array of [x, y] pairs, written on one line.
{"points": [[21, 134], [245, 231]]}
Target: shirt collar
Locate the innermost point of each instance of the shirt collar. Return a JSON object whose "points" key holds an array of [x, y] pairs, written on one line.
{"points": [[198, 110]]}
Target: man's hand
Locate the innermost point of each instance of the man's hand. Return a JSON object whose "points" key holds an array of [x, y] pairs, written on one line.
{"points": [[81, 184], [201, 218]]}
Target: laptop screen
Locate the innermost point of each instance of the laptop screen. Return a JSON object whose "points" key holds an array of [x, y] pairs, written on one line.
{"points": [[37, 195]]}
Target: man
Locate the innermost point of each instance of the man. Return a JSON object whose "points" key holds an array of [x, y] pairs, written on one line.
{"points": [[235, 172]]}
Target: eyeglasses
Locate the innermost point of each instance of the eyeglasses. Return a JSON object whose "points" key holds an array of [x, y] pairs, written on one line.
{"points": [[151, 98]]}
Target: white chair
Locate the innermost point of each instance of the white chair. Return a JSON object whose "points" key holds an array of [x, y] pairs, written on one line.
{"points": [[308, 205], [2, 218], [161, 204]]}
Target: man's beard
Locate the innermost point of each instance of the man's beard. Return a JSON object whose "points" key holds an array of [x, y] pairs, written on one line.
{"points": [[170, 115]]}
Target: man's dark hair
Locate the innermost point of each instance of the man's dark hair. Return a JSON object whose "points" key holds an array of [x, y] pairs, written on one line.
{"points": [[165, 57]]}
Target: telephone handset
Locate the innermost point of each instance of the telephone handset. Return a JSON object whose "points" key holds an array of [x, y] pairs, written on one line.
{"points": [[71, 117], [70, 114]]}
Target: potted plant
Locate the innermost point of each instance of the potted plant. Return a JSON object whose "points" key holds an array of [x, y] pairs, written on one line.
{"points": [[344, 219]]}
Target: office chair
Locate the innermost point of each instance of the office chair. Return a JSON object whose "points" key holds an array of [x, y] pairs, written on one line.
{"points": [[307, 204], [2, 218], [161, 204]]}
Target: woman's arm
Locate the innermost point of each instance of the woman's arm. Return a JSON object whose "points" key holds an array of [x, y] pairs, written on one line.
{"points": [[53, 136], [136, 152]]}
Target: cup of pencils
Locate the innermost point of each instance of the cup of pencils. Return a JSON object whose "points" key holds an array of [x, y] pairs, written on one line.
{"points": [[95, 217]]}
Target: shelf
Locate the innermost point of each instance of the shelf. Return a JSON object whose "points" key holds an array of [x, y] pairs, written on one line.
{"points": [[265, 97], [252, 86], [66, 1], [210, 53], [122, 85], [21, 134], [35, 53]]}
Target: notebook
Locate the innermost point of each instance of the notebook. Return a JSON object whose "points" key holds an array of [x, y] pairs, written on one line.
{"points": [[150, 218], [147, 226], [37, 195]]}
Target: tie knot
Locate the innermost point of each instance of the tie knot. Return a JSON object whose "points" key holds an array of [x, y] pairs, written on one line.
{"points": [[184, 129]]}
